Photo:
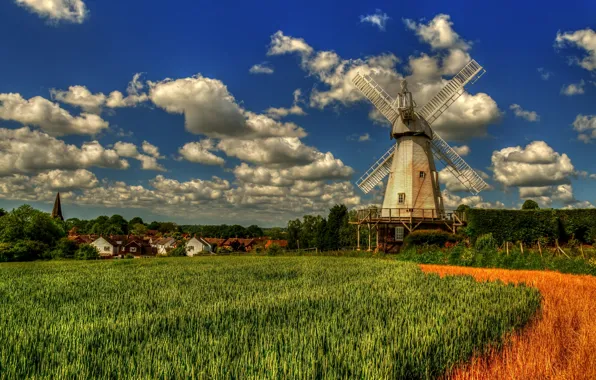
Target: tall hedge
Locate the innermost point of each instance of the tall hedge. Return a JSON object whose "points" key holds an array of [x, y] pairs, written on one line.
{"points": [[530, 225]]}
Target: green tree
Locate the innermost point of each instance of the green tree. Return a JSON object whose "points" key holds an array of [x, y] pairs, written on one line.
{"points": [[64, 249], [2, 212], [87, 252], [167, 227], [308, 231], [530, 205], [154, 225], [118, 220], [335, 221], [138, 229], [254, 231], [135, 220], [321, 235], [294, 227], [27, 223]]}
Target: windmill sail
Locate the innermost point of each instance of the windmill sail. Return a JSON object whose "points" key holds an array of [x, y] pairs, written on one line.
{"points": [[431, 111], [452, 90], [377, 172], [377, 96], [456, 165]]}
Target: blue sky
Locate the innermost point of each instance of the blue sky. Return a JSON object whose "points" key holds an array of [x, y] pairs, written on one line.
{"points": [[142, 108]]}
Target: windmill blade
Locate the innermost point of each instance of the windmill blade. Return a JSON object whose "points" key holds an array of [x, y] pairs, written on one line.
{"points": [[452, 90], [377, 96], [377, 172], [457, 166]]}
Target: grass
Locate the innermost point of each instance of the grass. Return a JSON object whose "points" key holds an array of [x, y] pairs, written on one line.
{"points": [[248, 317], [559, 345], [492, 258]]}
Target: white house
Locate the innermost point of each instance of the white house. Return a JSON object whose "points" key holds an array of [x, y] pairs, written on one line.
{"points": [[104, 246], [197, 245], [164, 245]]}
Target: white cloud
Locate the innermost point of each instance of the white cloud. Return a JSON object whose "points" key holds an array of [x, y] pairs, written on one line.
{"points": [[452, 201], [73, 11], [359, 138], [48, 116], [134, 94], [467, 117], [130, 150], [546, 195], [295, 109], [452, 184], [273, 151], [80, 96], [151, 149], [584, 39], [520, 112], [438, 33], [261, 68], [586, 126], [462, 150], [200, 152], [281, 44], [544, 73], [24, 151], [67, 180], [573, 88], [535, 165], [378, 19], [209, 109]]}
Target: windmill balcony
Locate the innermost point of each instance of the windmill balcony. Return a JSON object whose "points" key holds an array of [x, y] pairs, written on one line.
{"points": [[390, 215]]}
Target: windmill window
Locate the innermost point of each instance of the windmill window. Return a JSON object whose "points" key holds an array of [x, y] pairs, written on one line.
{"points": [[401, 198], [422, 174], [399, 233]]}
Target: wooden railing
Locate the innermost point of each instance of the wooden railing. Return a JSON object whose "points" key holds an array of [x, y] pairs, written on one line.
{"points": [[400, 214]]}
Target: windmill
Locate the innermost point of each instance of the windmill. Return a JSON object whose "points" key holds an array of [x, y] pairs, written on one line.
{"points": [[412, 189]]}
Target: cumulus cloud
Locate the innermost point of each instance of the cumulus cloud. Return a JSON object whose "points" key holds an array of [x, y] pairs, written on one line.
{"points": [[73, 11], [48, 116], [261, 68], [80, 96], [273, 151], [573, 88], [125, 149], [200, 152], [295, 109], [209, 109], [378, 19], [24, 151], [66, 179], [467, 117], [462, 150], [452, 184], [151, 149], [359, 138], [524, 114], [544, 73], [534, 165], [438, 33], [452, 201], [584, 39], [585, 125]]}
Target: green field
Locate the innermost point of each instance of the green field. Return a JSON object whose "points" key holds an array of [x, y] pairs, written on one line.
{"points": [[247, 317]]}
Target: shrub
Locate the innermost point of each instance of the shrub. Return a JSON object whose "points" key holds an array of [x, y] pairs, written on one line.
{"points": [[178, 251], [129, 256], [485, 242], [430, 237], [64, 249], [274, 250], [530, 205], [86, 252]]}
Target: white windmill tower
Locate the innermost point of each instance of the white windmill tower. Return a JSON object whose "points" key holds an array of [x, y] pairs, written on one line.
{"points": [[412, 189]]}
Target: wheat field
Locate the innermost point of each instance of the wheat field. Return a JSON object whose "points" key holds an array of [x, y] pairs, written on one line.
{"points": [[559, 345], [247, 317]]}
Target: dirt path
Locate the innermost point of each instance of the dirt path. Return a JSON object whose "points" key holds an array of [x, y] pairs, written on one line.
{"points": [[559, 345]]}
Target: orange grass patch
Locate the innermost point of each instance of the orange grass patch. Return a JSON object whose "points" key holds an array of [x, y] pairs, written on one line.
{"points": [[559, 344]]}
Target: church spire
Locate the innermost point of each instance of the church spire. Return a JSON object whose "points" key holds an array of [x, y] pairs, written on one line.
{"points": [[57, 210]]}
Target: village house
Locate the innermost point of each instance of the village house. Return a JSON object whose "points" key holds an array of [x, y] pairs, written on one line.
{"points": [[196, 245], [215, 243], [105, 246], [164, 245], [281, 243]]}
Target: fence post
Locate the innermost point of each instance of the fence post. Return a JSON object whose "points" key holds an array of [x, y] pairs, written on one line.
{"points": [[507, 247], [539, 248]]}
